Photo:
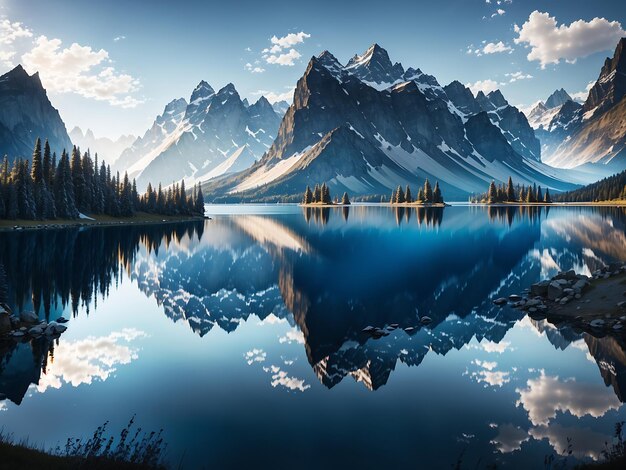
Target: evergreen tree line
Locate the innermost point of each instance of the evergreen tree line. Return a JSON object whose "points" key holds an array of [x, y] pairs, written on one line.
{"points": [[510, 193], [51, 188], [607, 189], [425, 195], [321, 195]]}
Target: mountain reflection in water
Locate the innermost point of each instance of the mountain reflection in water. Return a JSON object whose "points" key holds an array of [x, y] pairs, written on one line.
{"points": [[329, 273]]}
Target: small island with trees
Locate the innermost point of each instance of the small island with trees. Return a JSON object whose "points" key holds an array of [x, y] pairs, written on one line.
{"points": [[426, 196], [320, 197], [512, 194]]}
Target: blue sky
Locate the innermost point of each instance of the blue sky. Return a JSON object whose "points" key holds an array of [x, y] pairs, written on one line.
{"points": [[112, 66]]}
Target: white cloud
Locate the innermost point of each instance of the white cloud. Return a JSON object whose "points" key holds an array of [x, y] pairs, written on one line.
{"points": [[10, 32], [290, 40], [496, 47], [584, 441], [498, 12], [248, 49], [486, 86], [582, 95], [253, 68], [255, 355], [80, 362], [515, 76], [274, 97], [280, 377], [488, 375], [550, 43], [288, 58], [509, 438], [282, 51], [119, 38], [81, 70], [292, 336], [546, 395]]}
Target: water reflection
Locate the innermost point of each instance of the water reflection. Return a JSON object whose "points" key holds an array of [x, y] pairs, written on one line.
{"points": [[330, 273]]}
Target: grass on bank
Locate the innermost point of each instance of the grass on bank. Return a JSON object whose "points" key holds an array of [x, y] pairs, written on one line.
{"points": [[99, 220], [133, 449]]}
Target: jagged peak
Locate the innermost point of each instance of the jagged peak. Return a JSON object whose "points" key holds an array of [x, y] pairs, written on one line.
{"points": [[497, 98], [203, 90], [557, 98], [229, 89], [175, 104]]}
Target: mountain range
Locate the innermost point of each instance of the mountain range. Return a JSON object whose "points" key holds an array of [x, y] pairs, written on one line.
{"points": [[107, 149], [364, 128], [212, 134], [593, 133], [369, 126], [25, 114]]}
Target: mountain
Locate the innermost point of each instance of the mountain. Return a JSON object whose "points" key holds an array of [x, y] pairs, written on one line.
{"points": [[558, 98], [596, 132], [25, 114], [347, 128], [190, 140], [280, 107], [146, 148], [107, 149]]}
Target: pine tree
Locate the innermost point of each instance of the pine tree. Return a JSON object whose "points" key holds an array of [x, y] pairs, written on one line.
{"points": [[308, 195], [47, 164], [547, 199], [428, 192], [317, 193], [522, 194], [345, 200], [437, 197], [199, 202], [510, 191], [539, 196], [126, 205], [420, 195], [400, 198], [407, 195], [492, 193], [326, 198]]}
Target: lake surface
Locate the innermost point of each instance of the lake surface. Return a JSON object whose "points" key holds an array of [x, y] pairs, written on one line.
{"points": [[242, 337]]}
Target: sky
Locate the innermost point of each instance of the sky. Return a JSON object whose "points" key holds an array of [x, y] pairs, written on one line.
{"points": [[113, 65]]}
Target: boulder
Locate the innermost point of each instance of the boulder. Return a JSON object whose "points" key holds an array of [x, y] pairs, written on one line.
{"points": [[29, 317], [426, 320], [5, 323], [580, 285], [540, 288], [500, 301], [597, 323], [555, 290], [515, 298]]}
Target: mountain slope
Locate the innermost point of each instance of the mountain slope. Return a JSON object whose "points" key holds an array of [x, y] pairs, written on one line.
{"points": [[366, 140], [597, 133], [191, 140], [25, 114]]}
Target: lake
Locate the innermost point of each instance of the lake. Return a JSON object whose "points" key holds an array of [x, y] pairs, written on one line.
{"points": [[242, 337]]}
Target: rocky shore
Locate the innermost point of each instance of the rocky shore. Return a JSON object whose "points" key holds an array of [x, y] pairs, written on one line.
{"points": [[595, 303], [27, 325]]}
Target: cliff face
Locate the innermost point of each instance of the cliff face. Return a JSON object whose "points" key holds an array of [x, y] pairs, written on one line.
{"points": [[25, 114]]}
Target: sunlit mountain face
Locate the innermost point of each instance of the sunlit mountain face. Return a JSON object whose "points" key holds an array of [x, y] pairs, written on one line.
{"points": [[266, 312]]}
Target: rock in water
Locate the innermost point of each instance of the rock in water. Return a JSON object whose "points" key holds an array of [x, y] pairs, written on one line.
{"points": [[5, 323], [29, 317]]}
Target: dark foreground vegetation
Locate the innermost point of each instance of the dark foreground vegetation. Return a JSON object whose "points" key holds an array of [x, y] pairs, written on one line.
{"points": [[47, 189], [132, 449], [425, 195]]}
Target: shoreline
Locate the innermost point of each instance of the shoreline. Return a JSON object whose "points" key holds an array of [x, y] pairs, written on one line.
{"points": [[418, 204], [321, 206], [141, 218], [551, 204]]}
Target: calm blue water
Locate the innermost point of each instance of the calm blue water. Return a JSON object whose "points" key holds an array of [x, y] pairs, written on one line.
{"points": [[242, 337]]}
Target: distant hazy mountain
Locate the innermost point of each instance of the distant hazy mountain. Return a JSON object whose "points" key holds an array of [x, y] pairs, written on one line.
{"points": [[370, 126], [192, 140], [594, 133], [281, 107], [25, 114], [107, 149]]}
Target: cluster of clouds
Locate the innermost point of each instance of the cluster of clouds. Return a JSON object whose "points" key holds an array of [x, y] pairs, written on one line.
{"points": [[274, 97], [93, 358], [499, 10], [551, 43], [75, 69], [282, 51]]}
